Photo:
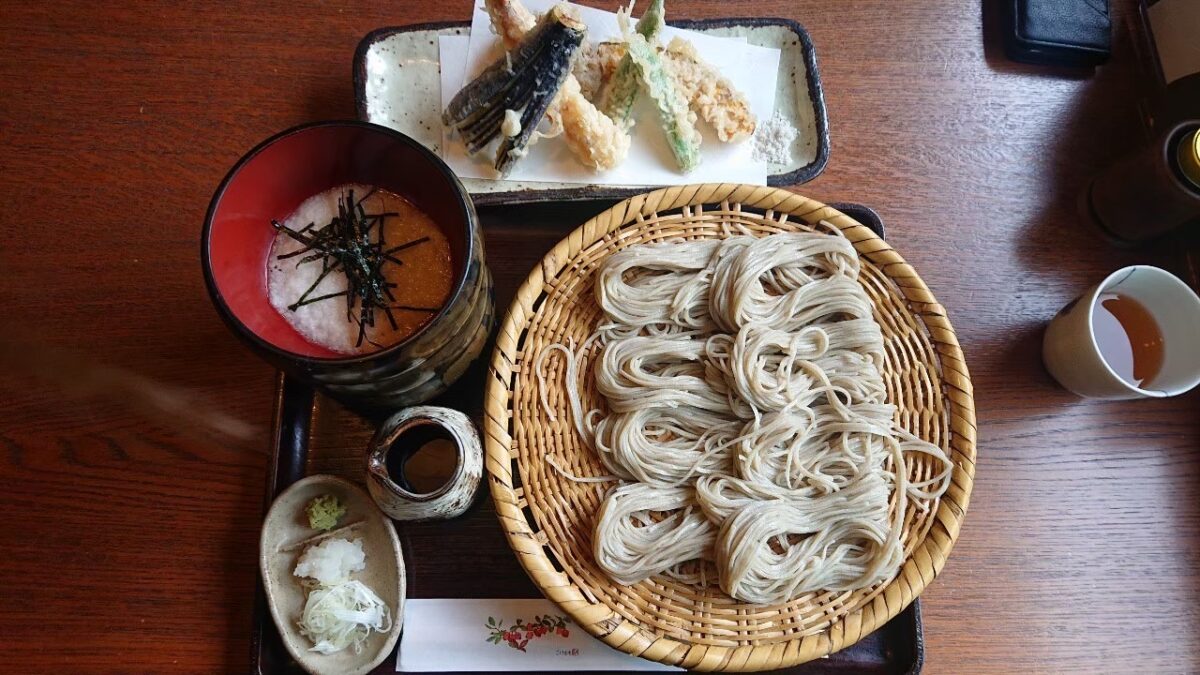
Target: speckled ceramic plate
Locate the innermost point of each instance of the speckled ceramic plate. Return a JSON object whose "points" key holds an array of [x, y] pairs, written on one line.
{"points": [[285, 535], [392, 63]]}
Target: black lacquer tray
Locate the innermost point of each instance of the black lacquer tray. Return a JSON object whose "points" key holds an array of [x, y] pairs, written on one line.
{"points": [[469, 557]]}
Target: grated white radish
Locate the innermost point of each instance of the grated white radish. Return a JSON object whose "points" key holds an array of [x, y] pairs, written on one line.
{"points": [[332, 561]]}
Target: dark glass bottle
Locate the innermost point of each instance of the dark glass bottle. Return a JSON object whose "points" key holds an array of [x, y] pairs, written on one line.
{"points": [[1152, 192], [1171, 40]]}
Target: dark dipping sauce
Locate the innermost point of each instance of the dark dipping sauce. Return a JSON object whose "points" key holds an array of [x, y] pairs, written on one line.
{"points": [[422, 459]]}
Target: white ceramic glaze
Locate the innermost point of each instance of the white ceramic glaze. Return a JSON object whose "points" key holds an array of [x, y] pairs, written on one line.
{"points": [[792, 95], [397, 64], [401, 83], [448, 501], [286, 524], [1073, 357]]}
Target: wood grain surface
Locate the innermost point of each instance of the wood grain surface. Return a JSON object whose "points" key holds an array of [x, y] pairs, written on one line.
{"points": [[131, 524]]}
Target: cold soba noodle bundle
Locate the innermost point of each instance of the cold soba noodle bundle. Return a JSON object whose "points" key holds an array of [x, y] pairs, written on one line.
{"points": [[746, 416]]}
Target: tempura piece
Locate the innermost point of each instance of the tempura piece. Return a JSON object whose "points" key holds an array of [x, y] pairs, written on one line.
{"points": [[605, 56], [587, 71], [510, 19], [510, 97], [710, 94], [593, 138], [622, 90], [678, 123]]}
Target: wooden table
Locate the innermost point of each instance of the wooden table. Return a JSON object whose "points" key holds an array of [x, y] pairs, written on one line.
{"points": [[129, 545]]}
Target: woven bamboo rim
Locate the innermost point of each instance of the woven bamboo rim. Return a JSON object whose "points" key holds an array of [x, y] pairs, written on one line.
{"points": [[548, 519]]}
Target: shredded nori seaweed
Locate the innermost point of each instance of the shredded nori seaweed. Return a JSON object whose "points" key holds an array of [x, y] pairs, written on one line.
{"points": [[353, 243]]}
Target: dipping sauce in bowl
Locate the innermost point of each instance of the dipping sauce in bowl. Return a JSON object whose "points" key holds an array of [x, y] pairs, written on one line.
{"points": [[381, 300], [343, 247]]}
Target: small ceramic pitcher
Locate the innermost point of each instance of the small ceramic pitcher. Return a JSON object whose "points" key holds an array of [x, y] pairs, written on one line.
{"points": [[448, 501]]}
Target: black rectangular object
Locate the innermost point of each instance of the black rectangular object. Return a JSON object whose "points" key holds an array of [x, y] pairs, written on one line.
{"points": [[1058, 32]]}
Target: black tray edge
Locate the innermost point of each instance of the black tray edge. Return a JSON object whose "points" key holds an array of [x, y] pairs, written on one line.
{"points": [[816, 92], [293, 412]]}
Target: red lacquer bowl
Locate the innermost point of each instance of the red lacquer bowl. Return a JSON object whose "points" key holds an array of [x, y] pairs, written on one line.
{"points": [[269, 183]]}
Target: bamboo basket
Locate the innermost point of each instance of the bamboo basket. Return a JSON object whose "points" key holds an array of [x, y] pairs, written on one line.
{"points": [[549, 519]]}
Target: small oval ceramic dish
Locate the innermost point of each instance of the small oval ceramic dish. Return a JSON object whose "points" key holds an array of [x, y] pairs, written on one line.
{"points": [[549, 519], [285, 526]]}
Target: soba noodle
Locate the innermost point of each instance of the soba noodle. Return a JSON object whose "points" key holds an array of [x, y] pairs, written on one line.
{"points": [[646, 530], [746, 417]]}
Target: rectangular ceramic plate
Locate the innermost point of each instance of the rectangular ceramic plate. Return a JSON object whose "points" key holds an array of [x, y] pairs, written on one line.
{"points": [[469, 557], [391, 64]]}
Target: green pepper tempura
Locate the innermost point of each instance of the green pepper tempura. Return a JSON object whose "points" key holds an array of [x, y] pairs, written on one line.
{"points": [[323, 512]]}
